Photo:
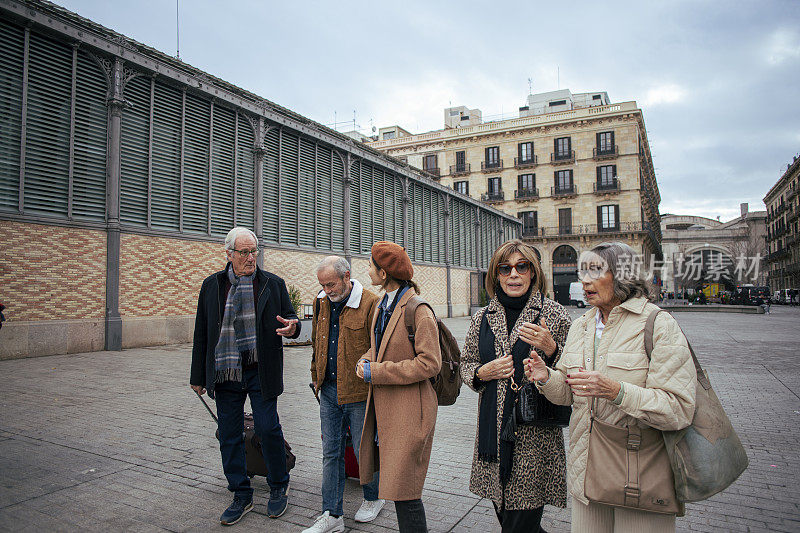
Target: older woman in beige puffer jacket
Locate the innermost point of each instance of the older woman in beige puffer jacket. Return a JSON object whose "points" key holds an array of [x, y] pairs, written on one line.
{"points": [[629, 388]]}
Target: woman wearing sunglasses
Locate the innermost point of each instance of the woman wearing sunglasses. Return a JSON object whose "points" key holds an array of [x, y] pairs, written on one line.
{"points": [[520, 474]]}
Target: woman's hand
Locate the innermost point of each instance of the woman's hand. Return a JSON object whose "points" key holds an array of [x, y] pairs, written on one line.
{"points": [[535, 368], [538, 337], [500, 368], [593, 384]]}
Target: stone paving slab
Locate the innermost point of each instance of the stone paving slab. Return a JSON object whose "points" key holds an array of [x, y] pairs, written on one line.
{"points": [[111, 441]]}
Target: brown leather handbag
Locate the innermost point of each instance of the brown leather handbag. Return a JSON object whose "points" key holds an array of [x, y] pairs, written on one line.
{"points": [[629, 467]]}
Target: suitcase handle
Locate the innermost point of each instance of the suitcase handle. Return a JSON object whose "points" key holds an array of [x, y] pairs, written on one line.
{"points": [[207, 407]]}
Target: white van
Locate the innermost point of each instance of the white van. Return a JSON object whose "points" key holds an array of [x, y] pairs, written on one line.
{"points": [[576, 295]]}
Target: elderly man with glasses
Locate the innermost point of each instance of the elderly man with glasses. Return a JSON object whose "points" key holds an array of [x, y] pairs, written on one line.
{"points": [[242, 313]]}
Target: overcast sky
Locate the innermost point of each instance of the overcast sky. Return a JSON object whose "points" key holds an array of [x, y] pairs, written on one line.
{"points": [[718, 82]]}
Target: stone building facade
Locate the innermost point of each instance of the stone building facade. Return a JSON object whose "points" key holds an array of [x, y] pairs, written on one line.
{"points": [[574, 168], [737, 246], [122, 169], [783, 229]]}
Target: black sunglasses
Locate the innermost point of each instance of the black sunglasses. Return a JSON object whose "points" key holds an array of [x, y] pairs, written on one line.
{"points": [[504, 269]]}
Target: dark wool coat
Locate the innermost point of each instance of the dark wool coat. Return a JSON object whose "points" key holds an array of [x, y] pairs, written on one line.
{"points": [[538, 471], [401, 404], [272, 300]]}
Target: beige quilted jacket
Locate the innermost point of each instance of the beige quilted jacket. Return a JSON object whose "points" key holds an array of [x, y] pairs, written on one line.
{"points": [[659, 393]]}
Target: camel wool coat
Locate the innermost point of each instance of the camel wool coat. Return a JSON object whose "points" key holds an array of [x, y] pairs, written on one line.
{"points": [[401, 405]]}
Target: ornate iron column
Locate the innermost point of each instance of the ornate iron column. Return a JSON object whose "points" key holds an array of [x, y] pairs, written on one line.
{"points": [[446, 214], [347, 161], [113, 322]]}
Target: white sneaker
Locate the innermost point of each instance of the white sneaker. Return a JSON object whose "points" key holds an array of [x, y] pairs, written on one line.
{"points": [[369, 510], [326, 523]]}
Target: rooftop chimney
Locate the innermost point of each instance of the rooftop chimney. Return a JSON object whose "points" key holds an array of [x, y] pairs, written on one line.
{"points": [[744, 209]]}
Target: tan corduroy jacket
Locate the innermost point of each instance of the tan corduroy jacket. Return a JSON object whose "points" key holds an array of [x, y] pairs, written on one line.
{"points": [[659, 392], [355, 327]]}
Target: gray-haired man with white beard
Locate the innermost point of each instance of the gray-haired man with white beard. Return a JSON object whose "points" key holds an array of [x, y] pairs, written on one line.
{"points": [[340, 335]]}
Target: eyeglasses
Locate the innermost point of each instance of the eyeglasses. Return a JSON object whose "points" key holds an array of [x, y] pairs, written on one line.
{"points": [[591, 272], [504, 269], [245, 253]]}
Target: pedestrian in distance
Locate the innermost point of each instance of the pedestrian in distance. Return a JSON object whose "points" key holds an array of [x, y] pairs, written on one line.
{"points": [[242, 314], [340, 335], [521, 475], [607, 377], [401, 403]]}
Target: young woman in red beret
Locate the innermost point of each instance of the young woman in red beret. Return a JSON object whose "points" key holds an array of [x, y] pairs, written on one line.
{"points": [[401, 403]]}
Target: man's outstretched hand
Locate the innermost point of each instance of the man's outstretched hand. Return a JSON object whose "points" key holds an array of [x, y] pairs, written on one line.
{"points": [[289, 326]]}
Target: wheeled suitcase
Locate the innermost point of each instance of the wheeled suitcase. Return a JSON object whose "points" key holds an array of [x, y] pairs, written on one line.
{"points": [[350, 458], [252, 446]]}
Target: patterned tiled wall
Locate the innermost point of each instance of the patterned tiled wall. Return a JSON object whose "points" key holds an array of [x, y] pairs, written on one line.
{"points": [[52, 273], [161, 276]]}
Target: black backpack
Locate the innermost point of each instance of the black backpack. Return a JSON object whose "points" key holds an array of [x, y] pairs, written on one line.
{"points": [[447, 383]]}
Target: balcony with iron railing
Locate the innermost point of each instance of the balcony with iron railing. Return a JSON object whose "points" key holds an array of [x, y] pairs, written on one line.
{"points": [[433, 171], [608, 153], [530, 162], [459, 169], [491, 166], [526, 194], [563, 192], [778, 255], [493, 197], [560, 158], [550, 232], [607, 187], [530, 231]]}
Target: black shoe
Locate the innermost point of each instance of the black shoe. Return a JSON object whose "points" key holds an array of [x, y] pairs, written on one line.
{"points": [[236, 510], [278, 501]]}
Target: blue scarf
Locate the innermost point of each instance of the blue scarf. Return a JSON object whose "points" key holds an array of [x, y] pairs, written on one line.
{"points": [[237, 338]]}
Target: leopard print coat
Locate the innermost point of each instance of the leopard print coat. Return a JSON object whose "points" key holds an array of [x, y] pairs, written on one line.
{"points": [[538, 472]]}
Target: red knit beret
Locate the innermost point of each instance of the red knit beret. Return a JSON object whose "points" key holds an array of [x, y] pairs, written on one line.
{"points": [[393, 258]]}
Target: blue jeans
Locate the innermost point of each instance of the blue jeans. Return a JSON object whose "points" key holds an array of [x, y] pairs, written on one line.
{"points": [[334, 419], [230, 397]]}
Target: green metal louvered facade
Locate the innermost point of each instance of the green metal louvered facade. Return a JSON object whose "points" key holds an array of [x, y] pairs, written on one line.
{"points": [[101, 132]]}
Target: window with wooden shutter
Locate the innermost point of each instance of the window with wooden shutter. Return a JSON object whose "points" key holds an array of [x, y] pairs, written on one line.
{"points": [[195, 164], [89, 152], [245, 173], [306, 198], [605, 142], [12, 44], [381, 215], [365, 227], [563, 148], [48, 128], [166, 187], [565, 220], [337, 195], [270, 203], [289, 169], [355, 206], [324, 191], [134, 152], [222, 177]]}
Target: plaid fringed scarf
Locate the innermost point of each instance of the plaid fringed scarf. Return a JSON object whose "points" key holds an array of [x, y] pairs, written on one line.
{"points": [[237, 338]]}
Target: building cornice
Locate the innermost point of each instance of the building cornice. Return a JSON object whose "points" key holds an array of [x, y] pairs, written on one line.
{"points": [[522, 124], [782, 182]]}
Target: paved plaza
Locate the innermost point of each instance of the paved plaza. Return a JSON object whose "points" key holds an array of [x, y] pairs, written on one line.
{"points": [[118, 441]]}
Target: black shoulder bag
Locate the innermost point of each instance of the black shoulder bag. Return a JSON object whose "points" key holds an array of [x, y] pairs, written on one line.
{"points": [[534, 409]]}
